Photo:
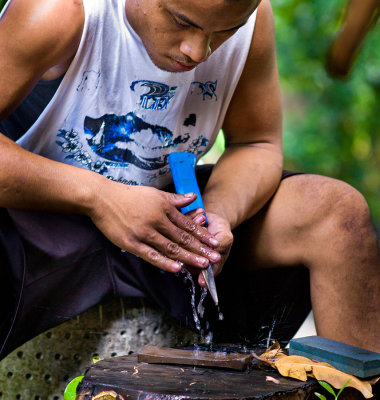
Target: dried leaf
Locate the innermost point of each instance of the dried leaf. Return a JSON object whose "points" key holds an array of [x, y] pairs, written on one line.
{"points": [[338, 378], [300, 368], [373, 381], [273, 353]]}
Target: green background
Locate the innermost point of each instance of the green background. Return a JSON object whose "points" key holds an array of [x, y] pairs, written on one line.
{"points": [[330, 127]]}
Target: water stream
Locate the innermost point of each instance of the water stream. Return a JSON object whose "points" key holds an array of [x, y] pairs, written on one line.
{"points": [[199, 310]]}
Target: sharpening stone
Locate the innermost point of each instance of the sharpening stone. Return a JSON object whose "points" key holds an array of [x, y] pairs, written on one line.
{"points": [[352, 360]]}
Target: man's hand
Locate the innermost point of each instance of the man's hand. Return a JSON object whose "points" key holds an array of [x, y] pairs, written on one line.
{"points": [[148, 223], [221, 230]]}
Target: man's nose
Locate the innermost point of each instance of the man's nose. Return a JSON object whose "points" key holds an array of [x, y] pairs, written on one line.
{"points": [[196, 47]]}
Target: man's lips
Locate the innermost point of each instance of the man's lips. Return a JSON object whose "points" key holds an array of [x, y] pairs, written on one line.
{"points": [[184, 67]]}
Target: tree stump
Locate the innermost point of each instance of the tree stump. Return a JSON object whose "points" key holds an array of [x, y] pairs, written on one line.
{"points": [[122, 378]]}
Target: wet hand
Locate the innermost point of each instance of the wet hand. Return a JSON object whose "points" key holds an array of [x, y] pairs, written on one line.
{"points": [[220, 229], [148, 223]]}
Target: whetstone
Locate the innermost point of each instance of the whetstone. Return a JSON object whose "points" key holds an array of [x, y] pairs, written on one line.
{"points": [[165, 355], [350, 359]]}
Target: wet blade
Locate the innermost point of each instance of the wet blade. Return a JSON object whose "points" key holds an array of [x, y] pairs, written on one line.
{"points": [[208, 275]]}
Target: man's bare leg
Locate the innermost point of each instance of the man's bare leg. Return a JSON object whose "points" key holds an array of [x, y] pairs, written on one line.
{"points": [[325, 225]]}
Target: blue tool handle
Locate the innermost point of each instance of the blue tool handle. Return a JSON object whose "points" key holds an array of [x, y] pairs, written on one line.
{"points": [[182, 166]]}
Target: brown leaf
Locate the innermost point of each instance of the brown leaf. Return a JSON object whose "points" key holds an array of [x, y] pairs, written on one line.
{"points": [[338, 378], [273, 353], [300, 368]]}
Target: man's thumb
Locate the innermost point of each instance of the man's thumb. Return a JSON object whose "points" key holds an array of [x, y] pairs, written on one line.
{"points": [[183, 200]]}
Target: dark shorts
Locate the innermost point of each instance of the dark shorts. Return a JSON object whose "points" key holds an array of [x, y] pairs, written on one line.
{"points": [[56, 266]]}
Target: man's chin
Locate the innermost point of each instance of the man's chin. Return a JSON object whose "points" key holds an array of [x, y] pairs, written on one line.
{"points": [[170, 65]]}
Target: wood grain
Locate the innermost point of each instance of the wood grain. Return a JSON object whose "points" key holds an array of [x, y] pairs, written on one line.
{"points": [[164, 355]]}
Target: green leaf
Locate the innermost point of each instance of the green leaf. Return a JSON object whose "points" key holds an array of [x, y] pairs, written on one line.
{"points": [[2, 4], [320, 396], [327, 387], [341, 389], [71, 388]]}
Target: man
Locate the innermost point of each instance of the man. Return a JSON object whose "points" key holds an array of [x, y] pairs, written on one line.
{"points": [[359, 19], [137, 80]]}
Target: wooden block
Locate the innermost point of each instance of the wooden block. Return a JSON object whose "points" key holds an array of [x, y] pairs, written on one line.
{"points": [[346, 358], [165, 355]]}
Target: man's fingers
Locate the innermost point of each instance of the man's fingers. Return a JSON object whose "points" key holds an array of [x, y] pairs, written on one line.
{"points": [[190, 226], [175, 251], [194, 213], [155, 258], [187, 238]]}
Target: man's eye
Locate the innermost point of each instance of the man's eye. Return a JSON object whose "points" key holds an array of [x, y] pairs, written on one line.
{"points": [[180, 24]]}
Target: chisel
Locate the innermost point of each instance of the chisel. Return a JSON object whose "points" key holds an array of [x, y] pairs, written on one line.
{"points": [[182, 166]]}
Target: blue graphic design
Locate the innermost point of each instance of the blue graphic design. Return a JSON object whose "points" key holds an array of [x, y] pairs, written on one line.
{"points": [[158, 96], [90, 80], [119, 141], [207, 89]]}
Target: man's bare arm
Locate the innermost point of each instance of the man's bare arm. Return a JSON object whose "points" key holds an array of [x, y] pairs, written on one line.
{"points": [[249, 171]]}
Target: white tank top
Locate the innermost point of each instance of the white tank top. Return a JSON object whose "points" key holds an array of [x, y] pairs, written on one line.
{"points": [[117, 114]]}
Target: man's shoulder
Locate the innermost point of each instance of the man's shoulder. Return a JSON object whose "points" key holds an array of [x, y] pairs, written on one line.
{"points": [[43, 32], [59, 18]]}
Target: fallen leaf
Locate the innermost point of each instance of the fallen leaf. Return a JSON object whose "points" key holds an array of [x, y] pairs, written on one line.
{"points": [[337, 379], [273, 352], [300, 368], [373, 381]]}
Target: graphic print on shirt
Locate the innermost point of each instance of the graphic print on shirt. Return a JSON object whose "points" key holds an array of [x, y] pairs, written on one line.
{"points": [[90, 80], [206, 89], [118, 141], [157, 97]]}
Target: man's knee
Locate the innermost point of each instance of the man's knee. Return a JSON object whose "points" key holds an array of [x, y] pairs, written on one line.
{"points": [[332, 215], [320, 199]]}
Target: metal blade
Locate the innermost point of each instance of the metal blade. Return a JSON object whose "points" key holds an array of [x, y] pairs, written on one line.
{"points": [[208, 275]]}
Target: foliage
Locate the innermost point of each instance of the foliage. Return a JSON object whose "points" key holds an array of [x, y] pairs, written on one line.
{"points": [[330, 127], [2, 4], [326, 386], [299, 367], [71, 388]]}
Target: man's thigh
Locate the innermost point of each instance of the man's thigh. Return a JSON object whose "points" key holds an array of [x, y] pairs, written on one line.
{"points": [[288, 230]]}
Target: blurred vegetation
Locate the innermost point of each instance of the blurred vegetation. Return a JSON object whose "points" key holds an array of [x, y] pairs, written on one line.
{"points": [[2, 4], [330, 127]]}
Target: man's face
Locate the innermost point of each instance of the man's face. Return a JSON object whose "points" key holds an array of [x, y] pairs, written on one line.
{"points": [[180, 34]]}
